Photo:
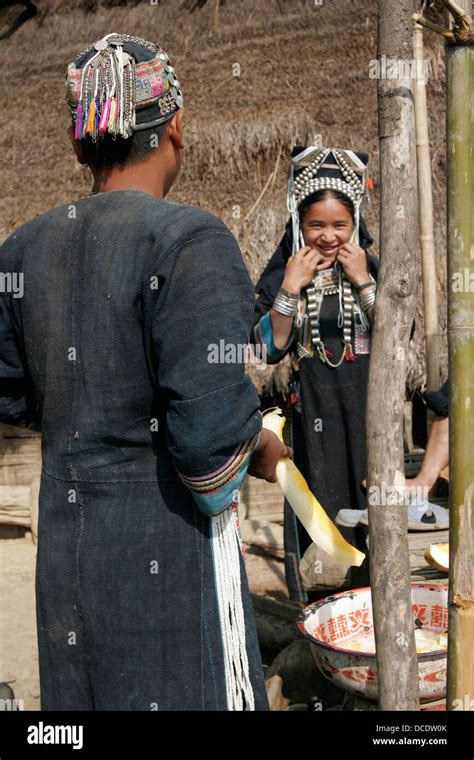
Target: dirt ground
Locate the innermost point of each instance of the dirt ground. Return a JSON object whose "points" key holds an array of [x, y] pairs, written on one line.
{"points": [[18, 653]]}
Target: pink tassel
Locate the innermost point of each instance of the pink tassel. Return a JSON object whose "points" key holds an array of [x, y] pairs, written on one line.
{"points": [[349, 357], [78, 124], [104, 118], [328, 353]]}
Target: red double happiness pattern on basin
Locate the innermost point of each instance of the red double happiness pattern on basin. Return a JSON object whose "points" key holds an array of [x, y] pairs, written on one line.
{"points": [[341, 626]]}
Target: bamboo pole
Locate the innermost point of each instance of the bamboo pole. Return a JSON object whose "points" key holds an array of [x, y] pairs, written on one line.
{"points": [[394, 314], [460, 196], [425, 199]]}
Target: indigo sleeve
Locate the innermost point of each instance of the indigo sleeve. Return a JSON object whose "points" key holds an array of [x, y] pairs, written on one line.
{"points": [[200, 329]]}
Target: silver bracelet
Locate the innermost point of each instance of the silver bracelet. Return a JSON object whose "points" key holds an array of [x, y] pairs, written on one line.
{"points": [[368, 300], [285, 303]]}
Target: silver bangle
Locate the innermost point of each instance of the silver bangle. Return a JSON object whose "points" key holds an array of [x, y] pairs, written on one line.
{"points": [[286, 311], [291, 298], [285, 304], [368, 300]]}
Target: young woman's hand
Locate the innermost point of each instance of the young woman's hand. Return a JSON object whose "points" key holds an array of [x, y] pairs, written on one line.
{"points": [[353, 260], [302, 268]]}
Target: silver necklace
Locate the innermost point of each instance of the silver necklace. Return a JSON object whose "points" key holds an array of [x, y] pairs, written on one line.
{"points": [[316, 294]]}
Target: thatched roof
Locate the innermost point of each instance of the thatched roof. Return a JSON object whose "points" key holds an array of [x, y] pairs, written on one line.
{"points": [[303, 72]]}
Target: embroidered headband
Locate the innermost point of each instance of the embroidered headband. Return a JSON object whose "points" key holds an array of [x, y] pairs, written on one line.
{"points": [[119, 85], [312, 170]]}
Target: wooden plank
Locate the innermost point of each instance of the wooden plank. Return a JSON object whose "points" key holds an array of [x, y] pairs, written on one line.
{"points": [[15, 505], [284, 610], [18, 475], [413, 462], [10, 431], [265, 574], [275, 621], [7, 517], [14, 497], [418, 543], [19, 450], [263, 500], [266, 535], [10, 518], [20, 460]]}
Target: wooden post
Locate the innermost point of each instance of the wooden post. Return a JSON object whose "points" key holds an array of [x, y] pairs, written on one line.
{"points": [[394, 314], [460, 197], [425, 197]]}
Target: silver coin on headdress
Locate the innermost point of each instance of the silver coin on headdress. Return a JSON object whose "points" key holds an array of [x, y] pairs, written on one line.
{"points": [[101, 45]]}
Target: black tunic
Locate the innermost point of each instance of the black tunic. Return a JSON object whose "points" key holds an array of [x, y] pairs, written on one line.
{"points": [[107, 353]]}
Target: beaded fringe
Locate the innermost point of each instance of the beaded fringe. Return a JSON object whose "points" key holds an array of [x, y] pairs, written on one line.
{"points": [[226, 555]]}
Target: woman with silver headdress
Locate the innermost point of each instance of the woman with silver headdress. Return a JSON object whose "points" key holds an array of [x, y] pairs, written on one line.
{"points": [[316, 300]]}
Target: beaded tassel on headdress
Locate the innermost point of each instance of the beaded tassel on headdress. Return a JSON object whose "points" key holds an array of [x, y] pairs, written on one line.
{"points": [[107, 93], [78, 122], [103, 93]]}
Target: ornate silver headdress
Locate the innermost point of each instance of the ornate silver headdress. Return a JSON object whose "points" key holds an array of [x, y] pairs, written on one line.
{"points": [[307, 175]]}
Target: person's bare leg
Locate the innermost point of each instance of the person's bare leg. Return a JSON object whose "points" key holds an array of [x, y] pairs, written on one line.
{"points": [[435, 459]]}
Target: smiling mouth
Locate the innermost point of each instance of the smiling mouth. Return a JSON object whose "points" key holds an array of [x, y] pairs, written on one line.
{"points": [[326, 250]]}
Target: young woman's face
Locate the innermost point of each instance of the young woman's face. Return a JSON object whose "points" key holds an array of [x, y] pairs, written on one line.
{"points": [[327, 225]]}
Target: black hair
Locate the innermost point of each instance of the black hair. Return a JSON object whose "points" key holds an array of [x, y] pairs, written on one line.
{"points": [[320, 195], [107, 153]]}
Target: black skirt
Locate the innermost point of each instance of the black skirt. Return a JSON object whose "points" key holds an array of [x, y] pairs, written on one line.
{"points": [[328, 440]]}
